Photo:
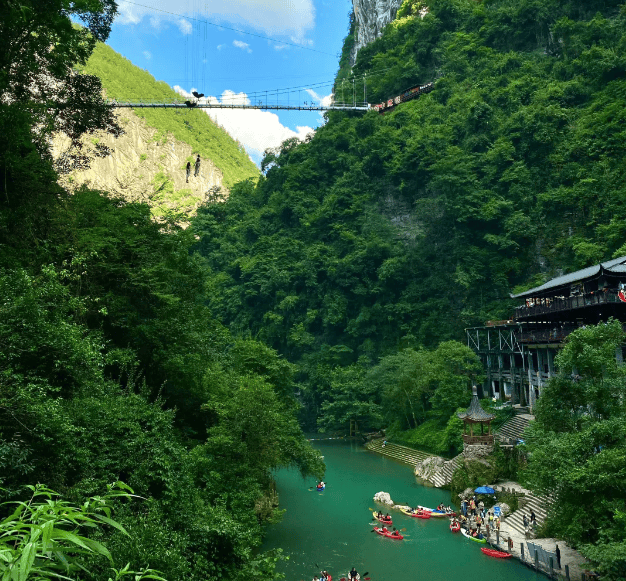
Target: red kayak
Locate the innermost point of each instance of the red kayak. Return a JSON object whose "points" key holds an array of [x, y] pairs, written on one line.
{"points": [[455, 527], [494, 553], [384, 521], [386, 533]]}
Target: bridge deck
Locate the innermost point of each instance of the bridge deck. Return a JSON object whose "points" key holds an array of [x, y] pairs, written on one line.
{"points": [[336, 107]]}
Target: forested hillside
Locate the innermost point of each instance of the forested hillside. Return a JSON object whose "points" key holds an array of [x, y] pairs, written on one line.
{"points": [[124, 81], [112, 367], [400, 230], [362, 254]]}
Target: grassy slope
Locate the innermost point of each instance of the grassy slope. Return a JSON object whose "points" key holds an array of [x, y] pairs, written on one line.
{"points": [[123, 80]]}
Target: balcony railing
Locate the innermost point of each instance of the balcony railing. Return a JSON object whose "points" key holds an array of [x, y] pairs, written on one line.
{"points": [[555, 304], [556, 334], [485, 440]]}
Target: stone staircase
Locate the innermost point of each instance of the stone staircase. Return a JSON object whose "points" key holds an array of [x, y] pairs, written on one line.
{"points": [[513, 430], [444, 477], [539, 504], [400, 453]]}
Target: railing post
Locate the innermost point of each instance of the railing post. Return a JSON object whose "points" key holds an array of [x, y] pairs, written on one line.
{"points": [[551, 566], [537, 559], [567, 572]]}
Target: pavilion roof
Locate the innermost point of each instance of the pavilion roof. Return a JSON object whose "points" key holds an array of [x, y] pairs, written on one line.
{"points": [[475, 413]]}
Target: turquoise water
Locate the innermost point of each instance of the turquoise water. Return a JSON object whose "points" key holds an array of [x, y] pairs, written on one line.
{"points": [[332, 529]]}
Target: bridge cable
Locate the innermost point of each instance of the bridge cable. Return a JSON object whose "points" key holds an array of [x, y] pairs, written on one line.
{"points": [[230, 28]]}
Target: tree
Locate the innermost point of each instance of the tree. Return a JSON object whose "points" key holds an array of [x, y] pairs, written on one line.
{"points": [[40, 93]]}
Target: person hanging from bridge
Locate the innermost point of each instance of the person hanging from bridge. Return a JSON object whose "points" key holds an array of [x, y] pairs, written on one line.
{"points": [[196, 170], [188, 170]]}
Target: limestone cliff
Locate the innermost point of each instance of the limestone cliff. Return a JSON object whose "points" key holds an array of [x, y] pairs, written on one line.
{"points": [[144, 165], [371, 18]]}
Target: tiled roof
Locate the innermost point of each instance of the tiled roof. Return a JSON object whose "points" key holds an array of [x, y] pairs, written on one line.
{"points": [[475, 412], [617, 265]]}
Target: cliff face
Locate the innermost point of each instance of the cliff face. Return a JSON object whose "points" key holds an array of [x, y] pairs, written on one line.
{"points": [[371, 18], [144, 165]]}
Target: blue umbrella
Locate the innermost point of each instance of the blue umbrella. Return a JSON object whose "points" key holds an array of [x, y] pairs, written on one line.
{"points": [[484, 490]]}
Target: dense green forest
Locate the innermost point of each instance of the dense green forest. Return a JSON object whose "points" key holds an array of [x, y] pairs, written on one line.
{"points": [[363, 254], [334, 288], [112, 367]]}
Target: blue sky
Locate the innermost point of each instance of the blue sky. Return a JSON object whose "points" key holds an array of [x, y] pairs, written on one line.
{"points": [[173, 40]]}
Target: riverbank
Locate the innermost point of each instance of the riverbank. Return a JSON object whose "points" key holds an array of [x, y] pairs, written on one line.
{"points": [[573, 564]]}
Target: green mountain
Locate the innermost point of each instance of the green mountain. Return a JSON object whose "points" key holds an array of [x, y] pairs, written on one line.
{"points": [[123, 80]]}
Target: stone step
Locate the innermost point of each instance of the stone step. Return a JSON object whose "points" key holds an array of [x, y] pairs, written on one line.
{"points": [[539, 504], [398, 452], [513, 429]]}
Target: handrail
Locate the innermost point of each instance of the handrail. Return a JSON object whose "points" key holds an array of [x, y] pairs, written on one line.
{"points": [[564, 304]]}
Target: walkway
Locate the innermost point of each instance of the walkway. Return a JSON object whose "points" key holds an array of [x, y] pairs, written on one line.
{"points": [[513, 527], [513, 430], [444, 477], [540, 505], [400, 453]]}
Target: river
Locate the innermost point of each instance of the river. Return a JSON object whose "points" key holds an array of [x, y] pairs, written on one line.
{"points": [[332, 529]]}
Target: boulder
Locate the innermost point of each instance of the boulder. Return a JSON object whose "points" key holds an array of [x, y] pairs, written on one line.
{"points": [[384, 498], [428, 467]]}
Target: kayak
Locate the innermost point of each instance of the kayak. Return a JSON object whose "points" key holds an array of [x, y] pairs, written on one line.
{"points": [[456, 527], [385, 533], [471, 538], [320, 488], [384, 521], [418, 514], [494, 553], [348, 578], [435, 512]]}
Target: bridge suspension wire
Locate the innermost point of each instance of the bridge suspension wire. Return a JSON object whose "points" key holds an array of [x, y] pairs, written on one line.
{"points": [[230, 28]]}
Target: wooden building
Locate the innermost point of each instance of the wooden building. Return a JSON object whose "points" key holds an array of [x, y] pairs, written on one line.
{"points": [[518, 354]]}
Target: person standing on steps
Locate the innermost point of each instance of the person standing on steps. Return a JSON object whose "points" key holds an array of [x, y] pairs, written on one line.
{"points": [[188, 170], [197, 167], [558, 557]]}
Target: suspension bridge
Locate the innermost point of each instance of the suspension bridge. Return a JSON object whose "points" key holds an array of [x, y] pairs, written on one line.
{"points": [[277, 107]]}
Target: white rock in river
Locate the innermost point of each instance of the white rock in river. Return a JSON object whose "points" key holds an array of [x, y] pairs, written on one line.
{"points": [[383, 497]]}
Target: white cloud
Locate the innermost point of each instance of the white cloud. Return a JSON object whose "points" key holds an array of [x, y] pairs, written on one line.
{"points": [[242, 45], [281, 46], [147, 54], [289, 17], [220, 46], [184, 25], [256, 129]]}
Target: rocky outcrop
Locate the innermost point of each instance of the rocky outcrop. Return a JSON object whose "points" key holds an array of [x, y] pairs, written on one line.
{"points": [[437, 470], [384, 498], [477, 452], [143, 166], [371, 18]]}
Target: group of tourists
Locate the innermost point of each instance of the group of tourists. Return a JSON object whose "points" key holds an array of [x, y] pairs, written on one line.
{"points": [[530, 525], [476, 519], [380, 516]]}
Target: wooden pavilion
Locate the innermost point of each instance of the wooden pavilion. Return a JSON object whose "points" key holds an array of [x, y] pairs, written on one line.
{"points": [[475, 414]]}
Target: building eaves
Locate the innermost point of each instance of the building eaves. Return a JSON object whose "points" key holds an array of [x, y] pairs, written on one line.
{"points": [[616, 265]]}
